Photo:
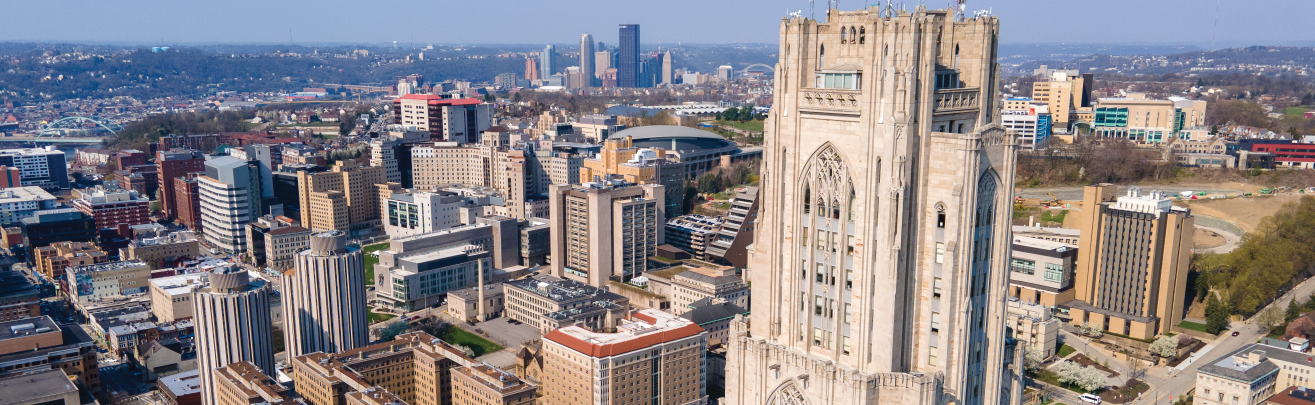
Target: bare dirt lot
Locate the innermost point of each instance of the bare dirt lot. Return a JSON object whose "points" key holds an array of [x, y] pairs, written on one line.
{"points": [[1245, 212], [1207, 239]]}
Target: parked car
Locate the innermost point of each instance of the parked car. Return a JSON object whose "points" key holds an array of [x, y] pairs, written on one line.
{"points": [[1089, 398], [1235, 333]]}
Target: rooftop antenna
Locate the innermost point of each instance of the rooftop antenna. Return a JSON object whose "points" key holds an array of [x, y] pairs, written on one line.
{"points": [[812, 12]]}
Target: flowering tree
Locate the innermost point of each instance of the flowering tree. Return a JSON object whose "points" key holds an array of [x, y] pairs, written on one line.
{"points": [[1087, 378]]}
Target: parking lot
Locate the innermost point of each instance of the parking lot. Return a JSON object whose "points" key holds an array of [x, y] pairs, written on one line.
{"points": [[504, 333]]}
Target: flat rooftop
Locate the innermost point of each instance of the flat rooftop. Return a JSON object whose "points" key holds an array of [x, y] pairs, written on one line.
{"points": [[27, 327], [23, 388], [1041, 244], [561, 290], [111, 266], [648, 328], [24, 194], [181, 284]]}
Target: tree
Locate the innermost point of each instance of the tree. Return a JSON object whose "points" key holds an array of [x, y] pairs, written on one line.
{"points": [[1165, 346], [1216, 315], [393, 329], [1086, 378], [731, 113], [1087, 330], [1033, 358], [1136, 369]]}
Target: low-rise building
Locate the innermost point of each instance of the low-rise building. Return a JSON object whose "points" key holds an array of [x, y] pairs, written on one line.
{"points": [[1042, 271], [693, 233], [1034, 324], [19, 297], [549, 303], [171, 297], [180, 389], [416, 212], [156, 251], [112, 208], [35, 344], [694, 281], [714, 315], [275, 241], [96, 281], [464, 304], [416, 367], [1251, 374], [58, 225], [52, 260], [46, 387], [656, 358], [163, 358], [418, 271], [483, 384], [242, 383], [21, 202]]}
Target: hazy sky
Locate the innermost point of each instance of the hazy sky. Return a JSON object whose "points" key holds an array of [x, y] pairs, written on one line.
{"points": [[665, 21]]}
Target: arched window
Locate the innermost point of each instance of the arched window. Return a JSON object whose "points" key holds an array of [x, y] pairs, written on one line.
{"points": [[862, 35], [843, 38], [853, 35], [821, 56], [956, 56]]}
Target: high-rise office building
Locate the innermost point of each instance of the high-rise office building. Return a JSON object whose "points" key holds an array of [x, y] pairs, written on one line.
{"points": [[233, 324], [548, 61], [324, 297], [883, 238], [587, 59], [605, 230], [455, 120], [230, 198], [627, 64], [1132, 270]]}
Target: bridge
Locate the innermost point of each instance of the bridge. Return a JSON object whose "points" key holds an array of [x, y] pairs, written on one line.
{"points": [[79, 123], [767, 70], [48, 140]]}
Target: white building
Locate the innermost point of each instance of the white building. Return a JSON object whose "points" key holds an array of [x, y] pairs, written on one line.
{"points": [[21, 202], [229, 200], [414, 213], [46, 168]]}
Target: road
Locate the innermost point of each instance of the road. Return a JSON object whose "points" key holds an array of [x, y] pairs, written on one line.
{"points": [[1230, 241], [1075, 193], [1175, 384]]}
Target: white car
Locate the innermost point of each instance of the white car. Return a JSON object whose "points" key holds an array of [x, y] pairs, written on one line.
{"points": [[1089, 398]]}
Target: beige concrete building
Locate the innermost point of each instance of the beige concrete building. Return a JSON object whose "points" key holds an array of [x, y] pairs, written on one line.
{"points": [[605, 231], [882, 243], [324, 298], [345, 198], [1141, 119], [620, 159], [549, 303], [1251, 374], [483, 384], [1063, 93], [656, 358], [1135, 250], [695, 281], [242, 383], [1041, 271], [465, 304], [96, 281], [51, 260], [522, 173], [454, 120], [171, 297], [275, 241], [416, 367], [155, 250], [48, 387], [1034, 324], [232, 325]]}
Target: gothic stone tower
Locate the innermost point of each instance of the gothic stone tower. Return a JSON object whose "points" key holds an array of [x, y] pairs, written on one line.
{"points": [[879, 267]]}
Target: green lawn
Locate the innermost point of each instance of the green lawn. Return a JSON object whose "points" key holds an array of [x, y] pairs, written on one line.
{"points": [[457, 336], [371, 260], [376, 317], [751, 126], [1051, 216], [1296, 111], [1192, 326], [1065, 350]]}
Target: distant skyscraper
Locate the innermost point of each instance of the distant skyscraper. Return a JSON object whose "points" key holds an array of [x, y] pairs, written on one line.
{"points": [[548, 61], [531, 69], [587, 59], [627, 66], [668, 74], [324, 297], [602, 62]]}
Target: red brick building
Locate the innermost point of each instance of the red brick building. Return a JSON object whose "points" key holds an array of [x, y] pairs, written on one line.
{"points": [[130, 157], [172, 164], [187, 199], [110, 209]]}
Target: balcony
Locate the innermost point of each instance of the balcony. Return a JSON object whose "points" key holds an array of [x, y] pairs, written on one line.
{"points": [[831, 100], [950, 101]]}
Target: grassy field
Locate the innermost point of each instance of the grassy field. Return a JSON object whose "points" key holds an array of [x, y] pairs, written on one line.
{"points": [[751, 126], [1066, 350], [371, 260], [1192, 326], [457, 336], [375, 317], [1296, 111]]}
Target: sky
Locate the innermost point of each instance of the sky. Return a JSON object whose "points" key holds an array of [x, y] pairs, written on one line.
{"points": [[157, 22]]}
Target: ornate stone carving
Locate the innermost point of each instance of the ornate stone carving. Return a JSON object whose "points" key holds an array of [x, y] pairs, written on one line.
{"points": [[832, 99]]}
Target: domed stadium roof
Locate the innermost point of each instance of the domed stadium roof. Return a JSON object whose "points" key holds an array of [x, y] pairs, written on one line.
{"points": [[662, 136]]}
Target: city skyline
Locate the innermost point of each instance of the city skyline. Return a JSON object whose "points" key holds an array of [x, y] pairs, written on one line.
{"points": [[147, 22]]}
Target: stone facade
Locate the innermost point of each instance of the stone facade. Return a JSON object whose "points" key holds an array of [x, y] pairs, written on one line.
{"points": [[883, 238]]}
